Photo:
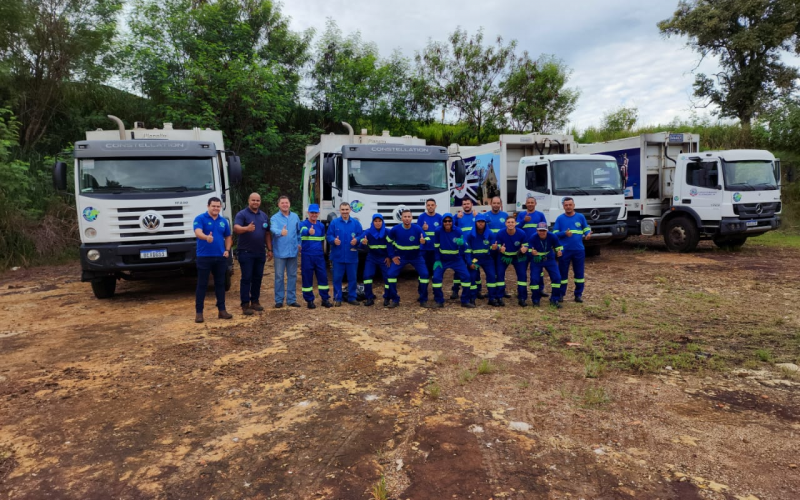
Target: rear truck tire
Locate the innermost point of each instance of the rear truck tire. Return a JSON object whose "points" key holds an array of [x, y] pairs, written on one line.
{"points": [[104, 287], [729, 242], [593, 251], [228, 279], [681, 235]]}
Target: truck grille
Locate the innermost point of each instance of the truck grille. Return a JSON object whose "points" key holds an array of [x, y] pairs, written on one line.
{"points": [[387, 210], [756, 210], [127, 223], [600, 215]]}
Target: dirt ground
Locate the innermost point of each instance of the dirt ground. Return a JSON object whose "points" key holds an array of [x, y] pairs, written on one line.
{"points": [[664, 384]]}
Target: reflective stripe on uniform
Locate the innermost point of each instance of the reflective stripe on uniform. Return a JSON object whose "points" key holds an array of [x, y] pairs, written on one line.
{"points": [[486, 250], [309, 289], [555, 285], [323, 287], [312, 238], [392, 280], [377, 246], [423, 280], [522, 283], [449, 252], [367, 282], [437, 285], [580, 280], [534, 287], [401, 247]]}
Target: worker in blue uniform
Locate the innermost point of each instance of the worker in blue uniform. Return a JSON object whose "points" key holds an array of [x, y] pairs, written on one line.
{"points": [[497, 223], [343, 236], [512, 245], [374, 239], [405, 241], [465, 221], [571, 229], [450, 254], [544, 247], [312, 258], [479, 242], [528, 220], [430, 222]]}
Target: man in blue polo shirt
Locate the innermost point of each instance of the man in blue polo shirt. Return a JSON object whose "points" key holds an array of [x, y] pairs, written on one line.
{"points": [[252, 227], [213, 248]]}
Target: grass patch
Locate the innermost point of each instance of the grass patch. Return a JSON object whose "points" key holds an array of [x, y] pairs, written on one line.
{"points": [[466, 376], [524, 384], [486, 367], [595, 396], [594, 367], [776, 239], [764, 355], [434, 391], [379, 490]]}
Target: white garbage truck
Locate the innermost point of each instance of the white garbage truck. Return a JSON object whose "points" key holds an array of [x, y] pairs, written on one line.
{"points": [[674, 190], [546, 168], [374, 174], [137, 192]]}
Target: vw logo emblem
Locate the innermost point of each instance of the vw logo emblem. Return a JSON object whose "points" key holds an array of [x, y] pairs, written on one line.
{"points": [[759, 208], [594, 214], [151, 221], [398, 213]]}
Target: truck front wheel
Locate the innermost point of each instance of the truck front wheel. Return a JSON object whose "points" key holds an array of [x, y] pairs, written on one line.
{"points": [[729, 242], [104, 288], [681, 235]]}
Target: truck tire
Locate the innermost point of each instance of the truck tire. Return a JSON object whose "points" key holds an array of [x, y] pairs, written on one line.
{"points": [[729, 242], [228, 279], [681, 235], [105, 287], [593, 251]]}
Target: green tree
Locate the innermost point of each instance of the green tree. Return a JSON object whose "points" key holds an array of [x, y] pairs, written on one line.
{"points": [[620, 119], [232, 65], [749, 37], [536, 96], [46, 45], [466, 74]]}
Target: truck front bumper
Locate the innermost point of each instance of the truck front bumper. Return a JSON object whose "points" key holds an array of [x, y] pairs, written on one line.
{"points": [[124, 260], [734, 225], [608, 233]]}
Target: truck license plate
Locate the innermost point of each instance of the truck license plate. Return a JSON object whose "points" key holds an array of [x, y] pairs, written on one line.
{"points": [[751, 223], [152, 254]]}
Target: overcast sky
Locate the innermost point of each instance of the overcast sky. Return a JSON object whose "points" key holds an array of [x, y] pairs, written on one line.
{"points": [[614, 48]]}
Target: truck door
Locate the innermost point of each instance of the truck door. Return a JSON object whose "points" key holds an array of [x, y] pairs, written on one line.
{"points": [[701, 189], [338, 185], [537, 184]]}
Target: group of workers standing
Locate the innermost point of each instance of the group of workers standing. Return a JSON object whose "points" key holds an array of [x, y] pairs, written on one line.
{"points": [[467, 243]]}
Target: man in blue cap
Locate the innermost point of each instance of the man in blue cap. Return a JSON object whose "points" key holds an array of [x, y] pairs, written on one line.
{"points": [[312, 258], [343, 235], [544, 248], [375, 240]]}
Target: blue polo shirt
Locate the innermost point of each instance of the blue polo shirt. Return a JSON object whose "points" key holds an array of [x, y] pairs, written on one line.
{"points": [[434, 224], [530, 226], [254, 242], [219, 228]]}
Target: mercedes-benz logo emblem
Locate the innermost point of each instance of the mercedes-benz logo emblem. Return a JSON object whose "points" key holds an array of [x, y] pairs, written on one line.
{"points": [[594, 214], [151, 221], [759, 208], [398, 213]]}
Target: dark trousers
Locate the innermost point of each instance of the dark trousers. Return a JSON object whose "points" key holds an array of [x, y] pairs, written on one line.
{"points": [[418, 263], [251, 266], [310, 266], [460, 274], [340, 269], [520, 263], [577, 258], [206, 266], [371, 267], [537, 269]]}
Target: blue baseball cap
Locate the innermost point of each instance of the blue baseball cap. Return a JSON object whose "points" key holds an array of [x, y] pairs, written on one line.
{"points": [[542, 226], [313, 208], [482, 217], [447, 216]]}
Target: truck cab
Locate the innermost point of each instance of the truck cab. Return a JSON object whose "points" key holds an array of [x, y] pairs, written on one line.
{"points": [[374, 174], [593, 181], [137, 198]]}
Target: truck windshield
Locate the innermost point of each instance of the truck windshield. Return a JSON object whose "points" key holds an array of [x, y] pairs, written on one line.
{"points": [[749, 175], [398, 175], [111, 175], [584, 177]]}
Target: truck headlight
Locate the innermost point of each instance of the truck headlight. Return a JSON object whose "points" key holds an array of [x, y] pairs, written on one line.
{"points": [[90, 232], [93, 255]]}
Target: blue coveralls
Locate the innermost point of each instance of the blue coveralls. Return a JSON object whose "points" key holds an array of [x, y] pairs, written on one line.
{"points": [[312, 260], [512, 256], [450, 250], [546, 259], [428, 251], [404, 243], [376, 259], [479, 247], [465, 224], [530, 229], [573, 252], [496, 222], [344, 256]]}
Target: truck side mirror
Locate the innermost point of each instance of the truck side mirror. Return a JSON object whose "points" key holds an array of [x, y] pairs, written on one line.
{"points": [[234, 170], [60, 176], [460, 171], [328, 170]]}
